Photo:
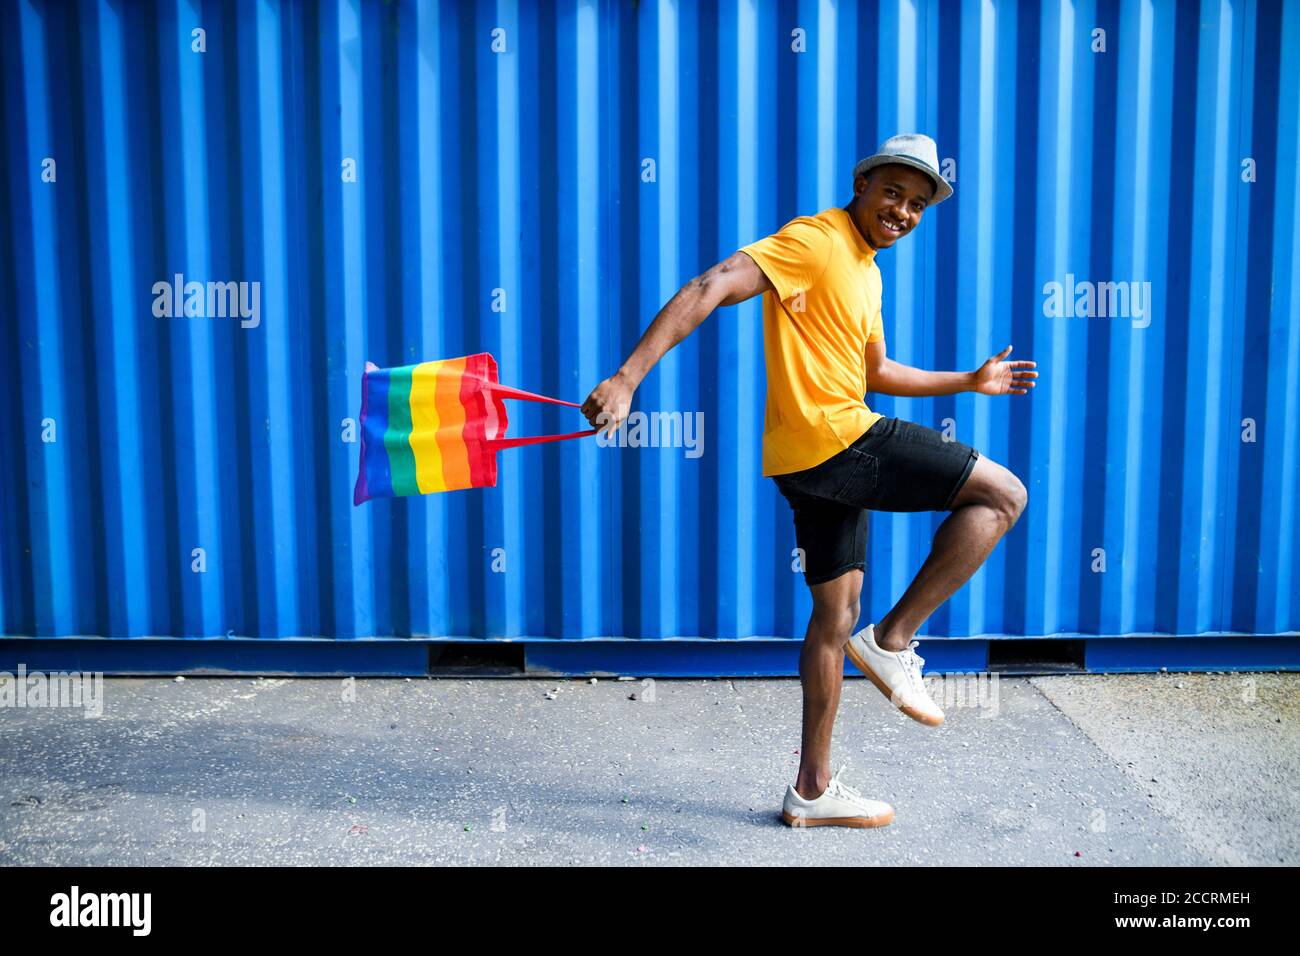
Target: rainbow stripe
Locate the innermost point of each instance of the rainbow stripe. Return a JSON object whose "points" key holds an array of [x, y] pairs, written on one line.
{"points": [[428, 427]]}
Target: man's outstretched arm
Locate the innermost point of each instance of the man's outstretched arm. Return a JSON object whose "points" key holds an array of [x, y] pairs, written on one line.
{"points": [[731, 281], [994, 377]]}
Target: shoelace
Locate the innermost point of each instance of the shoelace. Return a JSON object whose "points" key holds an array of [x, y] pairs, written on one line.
{"points": [[841, 788], [912, 662]]}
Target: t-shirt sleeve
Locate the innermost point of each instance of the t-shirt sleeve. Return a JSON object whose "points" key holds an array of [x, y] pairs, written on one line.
{"points": [[876, 330], [876, 323], [794, 258]]}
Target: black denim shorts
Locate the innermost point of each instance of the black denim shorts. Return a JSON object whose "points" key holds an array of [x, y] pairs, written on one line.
{"points": [[895, 466]]}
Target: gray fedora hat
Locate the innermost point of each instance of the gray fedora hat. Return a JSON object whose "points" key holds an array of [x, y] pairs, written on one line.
{"points": [[911, 149]]}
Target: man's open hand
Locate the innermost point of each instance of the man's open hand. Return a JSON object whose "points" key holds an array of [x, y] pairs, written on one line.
{"points": [[609, 402], [996, 377]]}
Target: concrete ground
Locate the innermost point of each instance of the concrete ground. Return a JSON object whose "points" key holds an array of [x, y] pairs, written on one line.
{"points": [[1168, 769]]}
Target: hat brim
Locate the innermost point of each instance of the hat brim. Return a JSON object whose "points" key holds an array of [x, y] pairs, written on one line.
{"points": [[941, 188]]}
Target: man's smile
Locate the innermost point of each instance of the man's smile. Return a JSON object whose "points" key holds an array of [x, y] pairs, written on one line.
{"points": [[892, 226]]}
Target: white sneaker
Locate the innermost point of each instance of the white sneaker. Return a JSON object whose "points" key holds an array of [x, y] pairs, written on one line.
{"points": [[839, 806], [896, 674]]}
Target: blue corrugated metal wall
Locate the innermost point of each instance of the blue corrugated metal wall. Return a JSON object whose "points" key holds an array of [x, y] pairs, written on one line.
{"points": [[523, 169]]}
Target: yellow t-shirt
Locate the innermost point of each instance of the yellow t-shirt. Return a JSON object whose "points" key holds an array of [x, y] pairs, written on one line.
{"points": [[816, 326]]}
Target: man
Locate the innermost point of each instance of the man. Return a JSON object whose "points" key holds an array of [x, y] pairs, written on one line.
{"points": [[833, 459]]}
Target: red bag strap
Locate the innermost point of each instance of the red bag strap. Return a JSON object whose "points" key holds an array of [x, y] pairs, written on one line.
{"points": [[505, 391]]}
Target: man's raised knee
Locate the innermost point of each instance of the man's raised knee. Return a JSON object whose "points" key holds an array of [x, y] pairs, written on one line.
{"points": [[1014, 498]]}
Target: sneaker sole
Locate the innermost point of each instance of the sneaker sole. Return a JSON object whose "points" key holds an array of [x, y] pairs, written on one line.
{"points": [[860, 664], [857, 823]]}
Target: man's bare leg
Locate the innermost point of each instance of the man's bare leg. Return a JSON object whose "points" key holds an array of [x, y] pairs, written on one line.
{"points": [[821, 671], [984, 510]]}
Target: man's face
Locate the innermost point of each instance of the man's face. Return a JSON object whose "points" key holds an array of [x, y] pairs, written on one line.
{"points": [[888, 202]]}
